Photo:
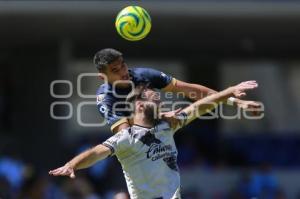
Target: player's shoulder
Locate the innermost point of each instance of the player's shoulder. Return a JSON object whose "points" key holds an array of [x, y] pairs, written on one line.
{"points": [[123, 135], [143, 70], [146, 74]]}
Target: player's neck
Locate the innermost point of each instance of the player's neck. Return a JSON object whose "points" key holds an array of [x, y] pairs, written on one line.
{"points": [[141, 120]]}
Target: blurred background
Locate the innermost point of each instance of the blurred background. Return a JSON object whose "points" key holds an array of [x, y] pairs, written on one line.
{"points": [[47, 85]]}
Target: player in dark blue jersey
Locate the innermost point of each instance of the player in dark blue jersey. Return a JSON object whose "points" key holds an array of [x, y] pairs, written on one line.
{"points": [[120, 80], [107, 96]]}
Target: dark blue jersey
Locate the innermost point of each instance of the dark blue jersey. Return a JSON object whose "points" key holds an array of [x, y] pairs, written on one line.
{"points": [[107, 97]]}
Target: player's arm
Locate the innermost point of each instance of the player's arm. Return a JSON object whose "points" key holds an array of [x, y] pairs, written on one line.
{"points": [[167, 83], [196, 92], [81, 161], [210, 102]]}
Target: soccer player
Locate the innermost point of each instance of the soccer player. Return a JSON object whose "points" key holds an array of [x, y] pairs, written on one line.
{"points": [[147, 150], [110, 95]]}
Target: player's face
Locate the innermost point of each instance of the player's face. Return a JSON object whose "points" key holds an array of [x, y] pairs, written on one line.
{"points": [[152, 96], [150, 105], [117, 72]]}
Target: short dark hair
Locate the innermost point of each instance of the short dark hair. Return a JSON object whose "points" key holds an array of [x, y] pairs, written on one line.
{"points": [[106, 56]]}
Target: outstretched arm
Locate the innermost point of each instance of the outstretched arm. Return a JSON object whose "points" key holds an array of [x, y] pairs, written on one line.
{"points": [[196, 92], [81, 161], [208, 103]]}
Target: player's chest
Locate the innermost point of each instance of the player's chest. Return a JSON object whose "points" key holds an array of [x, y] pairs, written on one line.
{"points": [[154, 148]]}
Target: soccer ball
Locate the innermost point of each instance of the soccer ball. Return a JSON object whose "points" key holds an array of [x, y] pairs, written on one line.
{"points": [[133, 23]]}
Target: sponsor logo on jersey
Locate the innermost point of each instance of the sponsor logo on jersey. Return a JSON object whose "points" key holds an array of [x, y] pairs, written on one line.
{"points": [[158, 151], [100, 98]]}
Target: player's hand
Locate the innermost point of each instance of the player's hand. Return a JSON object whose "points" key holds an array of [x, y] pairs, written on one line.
{"points": [[170, 117], [252, 106], [239, 90], [66, 170]]}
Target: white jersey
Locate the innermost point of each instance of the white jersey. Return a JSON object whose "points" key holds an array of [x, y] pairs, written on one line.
{"points": [[149, 161]]}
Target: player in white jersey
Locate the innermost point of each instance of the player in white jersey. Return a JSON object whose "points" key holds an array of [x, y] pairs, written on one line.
{"points": [[146, 150]]}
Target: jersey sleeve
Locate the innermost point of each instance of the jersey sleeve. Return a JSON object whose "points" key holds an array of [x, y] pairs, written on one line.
{"points": [[104, 106], [117, 143], [157, 79]]}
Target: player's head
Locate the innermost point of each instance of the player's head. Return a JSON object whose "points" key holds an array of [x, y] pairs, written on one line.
{"points": [[146, 102], [109, 63]]}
